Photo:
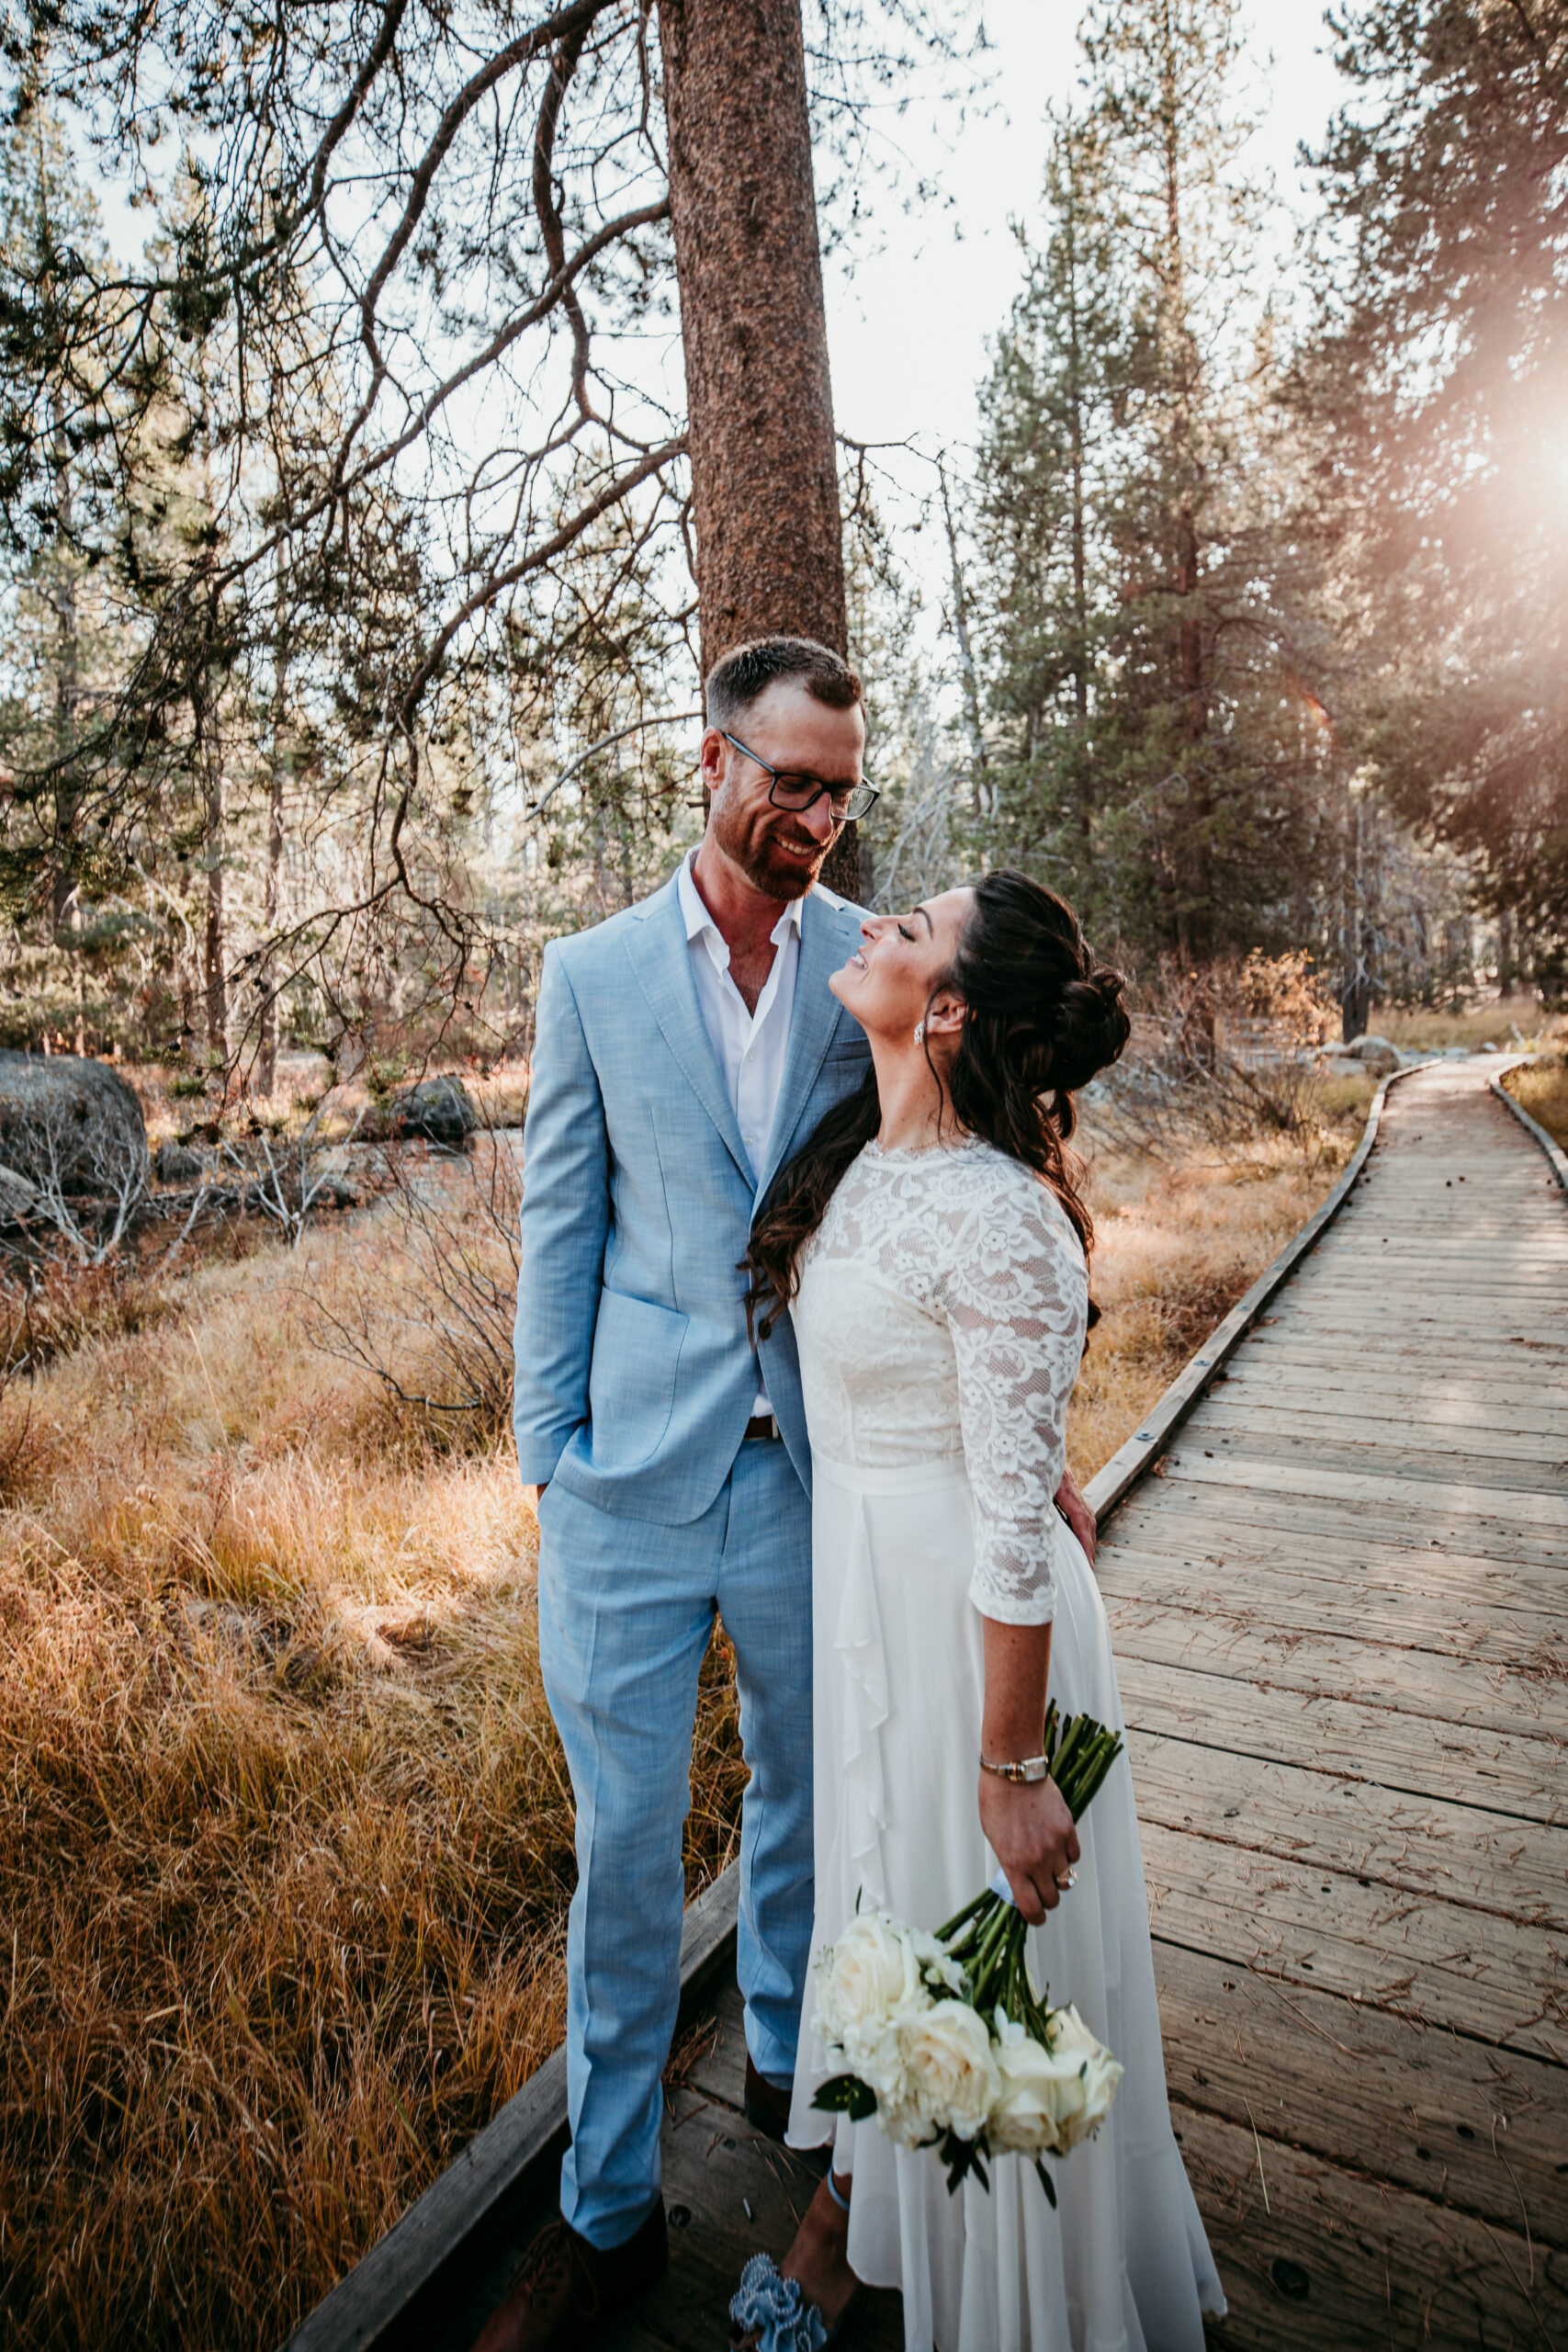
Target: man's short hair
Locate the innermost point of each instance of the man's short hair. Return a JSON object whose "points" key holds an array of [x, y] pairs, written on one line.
{"points": [[735, 683]]}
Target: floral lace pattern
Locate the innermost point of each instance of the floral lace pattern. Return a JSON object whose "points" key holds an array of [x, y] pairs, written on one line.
{"points": [[942, 1306]]}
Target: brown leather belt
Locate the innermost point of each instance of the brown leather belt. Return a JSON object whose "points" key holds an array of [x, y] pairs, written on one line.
{"points": [[761, 1425]]}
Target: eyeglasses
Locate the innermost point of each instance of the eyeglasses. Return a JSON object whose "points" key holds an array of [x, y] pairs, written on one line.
{"points": [[798, 792]]}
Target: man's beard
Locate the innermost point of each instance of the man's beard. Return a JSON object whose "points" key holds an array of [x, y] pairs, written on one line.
{"points": [[755, 854]]}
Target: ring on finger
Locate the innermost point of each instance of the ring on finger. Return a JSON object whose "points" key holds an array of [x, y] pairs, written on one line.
{"points": [[1066, 1879]]}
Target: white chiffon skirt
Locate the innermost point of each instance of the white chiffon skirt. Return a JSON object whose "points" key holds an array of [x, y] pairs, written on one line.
{"points": [[1122, 2264]]}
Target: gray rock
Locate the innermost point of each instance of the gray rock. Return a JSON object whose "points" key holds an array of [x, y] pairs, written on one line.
{"points": [[70, 1124], [1379, 1055], [16, 1196], [439, 1111]]}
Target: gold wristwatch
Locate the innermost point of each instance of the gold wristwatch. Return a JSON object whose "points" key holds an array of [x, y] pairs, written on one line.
{"points": [[1028, 1767]]}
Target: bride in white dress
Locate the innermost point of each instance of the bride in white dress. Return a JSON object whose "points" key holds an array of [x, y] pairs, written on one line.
{"points": [[932, 1247]]}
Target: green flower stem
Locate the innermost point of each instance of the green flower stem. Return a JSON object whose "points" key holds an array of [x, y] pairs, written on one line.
{"points": [[962, 1918]]}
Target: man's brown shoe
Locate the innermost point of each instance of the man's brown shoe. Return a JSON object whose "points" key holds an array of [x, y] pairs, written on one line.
{"points": [[767, 2103], [564, 2290]]}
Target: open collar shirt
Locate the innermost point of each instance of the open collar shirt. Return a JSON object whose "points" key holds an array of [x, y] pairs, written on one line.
{"points": [[750, 1048]]}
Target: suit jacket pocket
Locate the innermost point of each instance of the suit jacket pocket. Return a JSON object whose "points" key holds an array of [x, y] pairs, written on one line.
{"points": [[631, 1382]]}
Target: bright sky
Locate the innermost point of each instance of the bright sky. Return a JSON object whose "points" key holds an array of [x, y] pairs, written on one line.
{"points": [[908, 329]]}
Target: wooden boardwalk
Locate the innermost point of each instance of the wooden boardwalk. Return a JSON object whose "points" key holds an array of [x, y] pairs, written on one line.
{"points": [[1338, 1607], [1340, 1619]]}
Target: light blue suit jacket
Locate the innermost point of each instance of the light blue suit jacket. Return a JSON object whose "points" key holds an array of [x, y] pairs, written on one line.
{"points": [[635, 1376]]}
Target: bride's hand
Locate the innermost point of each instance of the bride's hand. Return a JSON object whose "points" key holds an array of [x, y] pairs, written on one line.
{"points": [[1031, 1832]]}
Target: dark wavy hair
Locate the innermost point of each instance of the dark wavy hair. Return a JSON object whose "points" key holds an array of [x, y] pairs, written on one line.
{"points": [[1041, 1018]]}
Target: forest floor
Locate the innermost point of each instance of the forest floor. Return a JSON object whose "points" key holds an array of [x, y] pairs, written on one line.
{"points": [[285, 1836]]}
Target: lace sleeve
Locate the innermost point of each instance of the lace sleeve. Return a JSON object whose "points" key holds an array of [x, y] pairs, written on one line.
{"points": [[1016, 1298]]}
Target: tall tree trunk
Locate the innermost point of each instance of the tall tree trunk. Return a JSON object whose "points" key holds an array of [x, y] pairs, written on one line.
{"points": [[272, 893], [1195, 886], [214, 956], [979, 796], [759, 404], [1083, 773]]}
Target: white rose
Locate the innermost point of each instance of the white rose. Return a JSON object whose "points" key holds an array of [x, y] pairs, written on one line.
{"points": [[1096, 2075], [901, 2109], [953, 2075], [867, 1980], [1052, 2099], [936, 1965], [1033, 2087]]}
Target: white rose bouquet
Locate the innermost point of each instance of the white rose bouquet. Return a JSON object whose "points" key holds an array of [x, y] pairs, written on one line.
{"points": [[943, 2038]]}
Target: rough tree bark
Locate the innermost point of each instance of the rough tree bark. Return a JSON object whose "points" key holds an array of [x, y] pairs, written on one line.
{"points": [[215, 946], [266, 1055], [759, 403], [980, 798]]}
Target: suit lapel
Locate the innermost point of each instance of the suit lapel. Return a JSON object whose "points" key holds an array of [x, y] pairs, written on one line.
{"points": [[828, 934], [661, 957]]}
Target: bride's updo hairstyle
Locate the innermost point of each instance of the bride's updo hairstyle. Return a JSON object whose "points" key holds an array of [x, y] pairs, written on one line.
{"points": [[1042, 1019]]}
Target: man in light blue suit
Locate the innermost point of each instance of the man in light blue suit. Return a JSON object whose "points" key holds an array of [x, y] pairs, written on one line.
{"points": [[684, 1050]]}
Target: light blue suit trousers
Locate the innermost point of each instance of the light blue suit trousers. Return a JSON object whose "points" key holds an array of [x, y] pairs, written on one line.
{"points": [[622, 1683], [634, 1380]]}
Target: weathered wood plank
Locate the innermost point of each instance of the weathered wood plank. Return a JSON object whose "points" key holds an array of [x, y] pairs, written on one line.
{"points": [[1484, 1356], [1452, 1437], [1510, 1699], [1497, 1772], [1468, 1970], [1520, 1381], [1419, 1598], [1446, 1853], [1442, 1501], [1433, 1327], [1336, 2261], [1489, 1292], [1422, 1459], [1371, 1404], [1480, 2129], [1188, 1507]]}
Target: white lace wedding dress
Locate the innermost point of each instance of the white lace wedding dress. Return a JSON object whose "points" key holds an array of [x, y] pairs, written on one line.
{"points": [[940, 1320]]}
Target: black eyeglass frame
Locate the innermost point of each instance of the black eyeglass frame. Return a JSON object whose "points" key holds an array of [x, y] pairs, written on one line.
{"points": [[868, 793]]}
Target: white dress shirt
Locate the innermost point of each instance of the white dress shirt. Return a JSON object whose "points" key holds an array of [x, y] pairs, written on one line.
{"points": [[750, 1048]]}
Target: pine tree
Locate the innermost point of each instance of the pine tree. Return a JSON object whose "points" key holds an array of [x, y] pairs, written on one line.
{"points": [[1047, 417], [1164, 71], [1151, 633], [1439, 386]]}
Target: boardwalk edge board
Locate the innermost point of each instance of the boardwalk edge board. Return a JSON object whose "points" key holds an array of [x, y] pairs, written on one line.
{"points": [[1125, 1467], [1556, 1158], [379, 2301]]}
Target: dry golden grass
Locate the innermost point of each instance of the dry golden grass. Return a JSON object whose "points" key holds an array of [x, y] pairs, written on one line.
{"points": [[1177, 1244], [285, 1836], [1500, 1022], [1541, 1088]]}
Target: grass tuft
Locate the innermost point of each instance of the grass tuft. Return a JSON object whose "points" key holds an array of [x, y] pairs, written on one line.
{"points": [[1541, 1088]]}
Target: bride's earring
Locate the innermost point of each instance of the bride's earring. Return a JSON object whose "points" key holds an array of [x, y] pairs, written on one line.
{"points": [[919, 1032]]}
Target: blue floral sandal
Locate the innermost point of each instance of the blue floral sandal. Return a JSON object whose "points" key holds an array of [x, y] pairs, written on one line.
{"points": [[768, 2313]]}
